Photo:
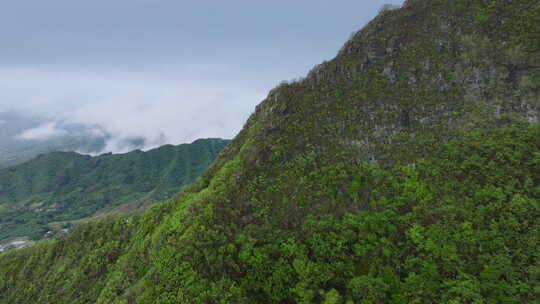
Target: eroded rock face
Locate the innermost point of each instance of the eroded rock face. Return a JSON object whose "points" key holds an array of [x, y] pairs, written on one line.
{"points": [[417, 69]]}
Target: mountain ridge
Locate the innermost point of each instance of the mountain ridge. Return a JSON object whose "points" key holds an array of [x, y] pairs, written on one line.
{"points": [[68, 186]]}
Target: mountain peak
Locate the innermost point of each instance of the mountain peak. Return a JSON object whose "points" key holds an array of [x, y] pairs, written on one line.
{"points": [[404, 170]]}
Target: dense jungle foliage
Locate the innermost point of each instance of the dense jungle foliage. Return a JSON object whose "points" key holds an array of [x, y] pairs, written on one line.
{"points": [[405, 170], [50, 191], [459, 226]]}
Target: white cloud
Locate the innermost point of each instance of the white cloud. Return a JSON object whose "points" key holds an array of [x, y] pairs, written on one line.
{"points": [[42, 132], [173, 109]]}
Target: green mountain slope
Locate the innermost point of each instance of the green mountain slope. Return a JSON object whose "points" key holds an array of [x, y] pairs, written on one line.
{"points": [[405, 170], [66, 186]]}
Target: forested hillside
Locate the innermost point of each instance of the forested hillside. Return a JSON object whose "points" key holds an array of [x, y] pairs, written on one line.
{"points": [[54, 189], [404, 170]]}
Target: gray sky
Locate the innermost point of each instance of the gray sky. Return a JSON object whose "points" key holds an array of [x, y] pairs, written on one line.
{"points": [[160, 69]]}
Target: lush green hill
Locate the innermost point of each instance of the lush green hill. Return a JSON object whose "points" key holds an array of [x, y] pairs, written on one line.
{"points": [[50, 191], [405, 170]]}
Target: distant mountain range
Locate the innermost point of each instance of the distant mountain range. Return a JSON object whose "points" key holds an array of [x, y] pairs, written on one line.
{"points": [[50, 191], [15, 148]]}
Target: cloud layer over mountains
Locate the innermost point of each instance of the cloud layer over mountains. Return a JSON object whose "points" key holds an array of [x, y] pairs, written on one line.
{"points": [[127, 106]]}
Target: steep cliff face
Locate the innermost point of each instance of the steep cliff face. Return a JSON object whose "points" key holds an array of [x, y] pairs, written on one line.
{"points": [[405, 170], [412, 79], [437, 66]]}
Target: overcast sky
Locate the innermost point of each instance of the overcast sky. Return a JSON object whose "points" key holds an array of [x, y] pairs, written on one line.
{"points": [[170, 71]]}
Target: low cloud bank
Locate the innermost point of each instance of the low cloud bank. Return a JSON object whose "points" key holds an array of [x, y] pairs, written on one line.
{"points": [[127, 109], [43, 132]]}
